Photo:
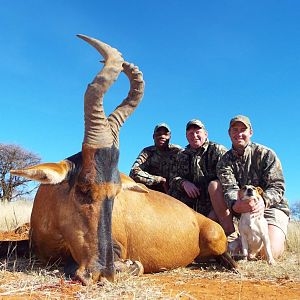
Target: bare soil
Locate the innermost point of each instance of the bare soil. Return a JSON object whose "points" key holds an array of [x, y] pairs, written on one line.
{"points": [[23, 278]]}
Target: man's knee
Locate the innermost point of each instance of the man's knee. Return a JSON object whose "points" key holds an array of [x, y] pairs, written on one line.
{"points": [[277, 240], [215, 187], [277, 224]]}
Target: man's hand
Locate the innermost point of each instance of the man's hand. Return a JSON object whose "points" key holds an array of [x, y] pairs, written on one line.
{"points": [[191, 190], [163, 183], [166, 187], [161, 180]]}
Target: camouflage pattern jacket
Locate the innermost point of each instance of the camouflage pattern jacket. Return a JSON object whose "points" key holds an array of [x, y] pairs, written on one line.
{"points": [[152, 164], [199, 167], [258, 166]]}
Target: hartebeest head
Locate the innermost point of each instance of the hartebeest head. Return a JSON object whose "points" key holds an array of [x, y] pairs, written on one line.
{"points": [[92, 175]]}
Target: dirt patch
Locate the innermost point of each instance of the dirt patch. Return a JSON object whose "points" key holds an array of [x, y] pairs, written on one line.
{"points": [[28, 279], [202, 288], [20, 233], [151, 286]]}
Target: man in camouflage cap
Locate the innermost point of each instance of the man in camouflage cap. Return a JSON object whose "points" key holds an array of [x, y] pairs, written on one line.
{"points": [[153, 165], [250, 163], [194, 182]]}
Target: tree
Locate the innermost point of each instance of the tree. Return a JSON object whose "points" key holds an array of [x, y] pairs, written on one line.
{"points": [[15, 157], [295, 210]]}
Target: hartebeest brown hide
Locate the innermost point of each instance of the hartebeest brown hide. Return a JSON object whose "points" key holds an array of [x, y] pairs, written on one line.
{"points": [[88, 214]]}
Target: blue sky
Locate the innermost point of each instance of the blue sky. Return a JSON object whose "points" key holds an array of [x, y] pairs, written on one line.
{"points": [[201, 59]]}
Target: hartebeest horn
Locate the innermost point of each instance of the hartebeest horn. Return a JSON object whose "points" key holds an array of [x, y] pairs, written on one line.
{"points": [[97, 129], [135, 95]]}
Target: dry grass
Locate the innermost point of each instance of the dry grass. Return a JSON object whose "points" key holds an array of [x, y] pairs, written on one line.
{"points": [[14, 214], [23, 276], [293, 239], [30, 278]]}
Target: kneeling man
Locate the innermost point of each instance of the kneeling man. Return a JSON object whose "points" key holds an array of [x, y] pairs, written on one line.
{"points": [[250, 163]]}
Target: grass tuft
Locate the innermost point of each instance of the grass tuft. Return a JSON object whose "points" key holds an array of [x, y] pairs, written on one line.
{"points": [[14, 214], [30, 279], [293, 237]]}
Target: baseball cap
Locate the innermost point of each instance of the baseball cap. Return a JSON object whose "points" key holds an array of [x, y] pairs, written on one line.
{"points": [[194, 122], [240, 118], [162, 125]]}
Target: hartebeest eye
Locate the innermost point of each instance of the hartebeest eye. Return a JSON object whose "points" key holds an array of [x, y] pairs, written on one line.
{"points": [[83, 194], [83, 188]]}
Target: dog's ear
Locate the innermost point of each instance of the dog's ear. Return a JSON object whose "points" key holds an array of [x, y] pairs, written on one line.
{"points": [[240, 194], [259, 190]]}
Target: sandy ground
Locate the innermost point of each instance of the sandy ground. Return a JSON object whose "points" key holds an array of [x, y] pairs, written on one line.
{"points": [[178, 284], [201, 288]]}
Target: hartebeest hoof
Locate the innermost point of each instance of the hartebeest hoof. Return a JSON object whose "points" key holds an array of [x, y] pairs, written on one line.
{"points": [[131, 267], [88, 278]]}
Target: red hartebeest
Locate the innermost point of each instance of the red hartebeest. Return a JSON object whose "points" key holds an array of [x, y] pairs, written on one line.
{"points": [[97, 219]]}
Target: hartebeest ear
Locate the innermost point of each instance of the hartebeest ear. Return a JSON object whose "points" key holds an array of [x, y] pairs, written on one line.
{"points": [[129, 184], [48, 173]]}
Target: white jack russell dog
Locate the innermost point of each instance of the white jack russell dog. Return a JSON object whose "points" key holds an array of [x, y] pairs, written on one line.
{"points": [[254, 228]]}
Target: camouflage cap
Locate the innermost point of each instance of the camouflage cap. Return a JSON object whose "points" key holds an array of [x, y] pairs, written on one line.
{"points": [[194, 122], [240, 118], [162, 125]]}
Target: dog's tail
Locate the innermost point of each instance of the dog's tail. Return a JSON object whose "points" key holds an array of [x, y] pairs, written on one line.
{"points": [[9, 249], [227, 261]]}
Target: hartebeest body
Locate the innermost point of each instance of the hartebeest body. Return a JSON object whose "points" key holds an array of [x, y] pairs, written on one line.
{"points": [[90, 215]]}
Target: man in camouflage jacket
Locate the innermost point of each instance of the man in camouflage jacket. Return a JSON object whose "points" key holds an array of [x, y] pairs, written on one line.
{"points": [[153, 165], [251, 163], [194, 180]]}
